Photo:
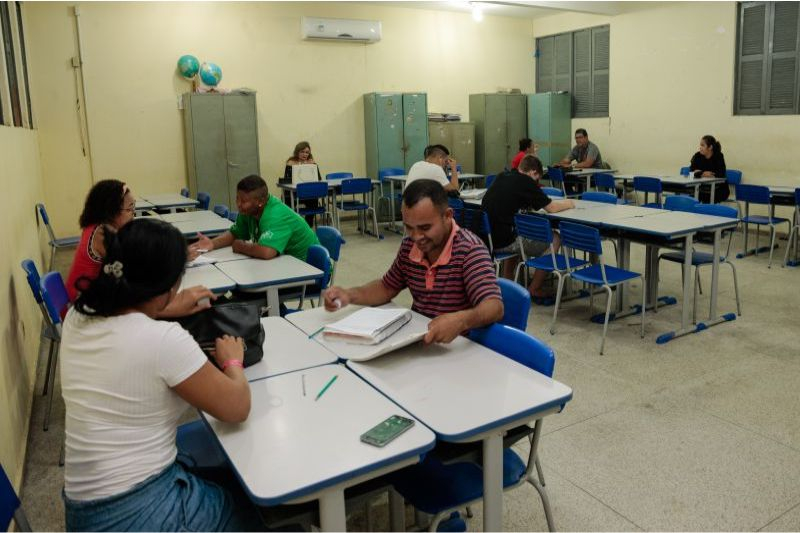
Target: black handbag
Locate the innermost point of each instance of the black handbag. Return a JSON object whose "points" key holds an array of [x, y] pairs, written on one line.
{"points": [[239, 316]]}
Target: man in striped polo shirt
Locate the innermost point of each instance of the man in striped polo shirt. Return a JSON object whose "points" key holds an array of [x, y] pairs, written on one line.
{"points": [[447, 269]]}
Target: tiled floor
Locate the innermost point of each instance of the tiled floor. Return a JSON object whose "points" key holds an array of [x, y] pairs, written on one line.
{"points": [[701, 433]]}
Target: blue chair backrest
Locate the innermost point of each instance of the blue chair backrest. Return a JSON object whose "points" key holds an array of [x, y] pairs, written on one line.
{"points": [[553, 192], [340, 175], [355, 185], [605, 181], [232, 215], [313, 189], [455, 203], [331, 239], [797, 196], [221, 210], [647, 184], [319, 257], [391, 171], [534, 228], [54, 294], [680, 202], [516, 304], [32, 275], [605, 197], [684, 171], [754, 194], [732, 176], [517, 345], [43, 214], [9, 502], [715, 210], [580, 237], [555, 174], [204, 199], [185, 192], [475, 220], [490, 179]]}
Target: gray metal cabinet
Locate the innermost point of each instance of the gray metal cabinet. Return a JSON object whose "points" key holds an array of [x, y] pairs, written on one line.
{"points": [[549, 125], [459, 138], [221, 143], [500, 122], [395, 130]]}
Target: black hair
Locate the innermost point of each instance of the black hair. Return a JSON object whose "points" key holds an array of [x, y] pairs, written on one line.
{"points": [[103, 203], [581, 131], [144, 259], [439, 150], [252, 183], [531, 162], [524, 144], [418, 190], [713, 143]]}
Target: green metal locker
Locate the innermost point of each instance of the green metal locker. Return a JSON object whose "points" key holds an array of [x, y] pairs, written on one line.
{"points": [[550, 124], [500, 122], [459, 138], [395, 130]]}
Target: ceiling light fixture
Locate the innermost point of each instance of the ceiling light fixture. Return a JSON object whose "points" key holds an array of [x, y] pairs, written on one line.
{"points": [[477, 12]]}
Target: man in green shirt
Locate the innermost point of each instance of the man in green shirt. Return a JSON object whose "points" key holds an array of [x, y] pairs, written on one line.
{"points": [[265, 227]]}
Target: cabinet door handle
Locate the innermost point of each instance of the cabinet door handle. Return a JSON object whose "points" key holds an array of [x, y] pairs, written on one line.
{"points": [[233, 164]]}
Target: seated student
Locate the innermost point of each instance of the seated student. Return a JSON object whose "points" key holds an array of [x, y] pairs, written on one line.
{"points": [[109, 206], [265, 227], [526, 147], [302, 156], [437, 158], [126, 380], [708, 162], [514, 191], [447, 269], [585, 153]]}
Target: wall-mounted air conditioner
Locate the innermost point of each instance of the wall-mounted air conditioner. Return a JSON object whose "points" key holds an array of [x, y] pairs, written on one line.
{"points": [[340, 29]]}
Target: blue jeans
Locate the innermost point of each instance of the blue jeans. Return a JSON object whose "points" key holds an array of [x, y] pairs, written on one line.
{"points": [[173, 500]]}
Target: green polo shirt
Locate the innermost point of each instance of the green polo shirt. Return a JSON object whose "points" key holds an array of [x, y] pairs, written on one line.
{"points": [[279, 227]]}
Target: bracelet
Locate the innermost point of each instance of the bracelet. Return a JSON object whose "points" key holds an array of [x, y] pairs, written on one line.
{"points": [[232, 362]]}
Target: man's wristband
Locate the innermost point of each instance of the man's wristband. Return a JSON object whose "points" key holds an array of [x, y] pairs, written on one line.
{"points": [[232, 362]]}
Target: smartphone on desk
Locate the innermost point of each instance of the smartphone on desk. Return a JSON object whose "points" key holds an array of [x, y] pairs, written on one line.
{"points": [[387, 431]]}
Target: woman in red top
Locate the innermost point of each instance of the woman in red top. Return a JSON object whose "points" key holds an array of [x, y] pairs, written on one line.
{"points": [[526, 147], [109, 206]]}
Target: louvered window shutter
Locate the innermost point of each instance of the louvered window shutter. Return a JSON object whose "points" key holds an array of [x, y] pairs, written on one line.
{"points": [[600, 61], [545, 65], [582, 80], [563, 62], [782, 59]]}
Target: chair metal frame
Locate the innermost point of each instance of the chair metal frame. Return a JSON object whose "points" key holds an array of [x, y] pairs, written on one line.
{"points": [[354, 187], [382, 175], [55, 242], [759, 195], [10, 505], [55, 297]]}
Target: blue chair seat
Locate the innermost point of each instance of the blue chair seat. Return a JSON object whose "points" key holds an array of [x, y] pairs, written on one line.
{"points": [[351, 205], [698, 258], [311, 211], [545, 262], [194, 439], [593, 274], [760, 219]]}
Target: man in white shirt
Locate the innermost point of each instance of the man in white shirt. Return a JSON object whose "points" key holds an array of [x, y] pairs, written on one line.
{"points": [[437, 157]]}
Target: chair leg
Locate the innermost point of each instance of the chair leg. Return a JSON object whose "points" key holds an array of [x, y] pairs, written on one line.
{"points": [[52, 257], [695, 298], [605, 322], [375, 223], [644, 304], [772, 233], [539, 472], [735, 288], [559, 290], [789, 245], [48, 369], [52, 388]]}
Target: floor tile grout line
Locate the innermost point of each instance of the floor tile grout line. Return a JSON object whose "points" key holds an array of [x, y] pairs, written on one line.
{"points": [[749, 430], [795, 506]]}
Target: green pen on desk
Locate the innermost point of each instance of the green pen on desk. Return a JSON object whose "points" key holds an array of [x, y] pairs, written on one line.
{"points": [[316, 333], [326, 387]]}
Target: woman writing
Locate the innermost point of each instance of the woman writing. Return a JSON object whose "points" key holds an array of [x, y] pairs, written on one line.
{"points": [[302, 156], [709, 162], [127, 379]]}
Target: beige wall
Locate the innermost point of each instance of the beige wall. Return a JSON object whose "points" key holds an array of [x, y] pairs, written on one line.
{"points": [[20, 320], [671, 81], [306, 90]]}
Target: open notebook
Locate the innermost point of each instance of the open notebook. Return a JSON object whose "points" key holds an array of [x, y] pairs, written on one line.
{"points": [[370, 325]]}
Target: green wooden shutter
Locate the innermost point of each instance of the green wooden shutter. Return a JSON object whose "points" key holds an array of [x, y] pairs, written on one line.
{"points": [[545, 64], [600, 63], [582, 80], [563, 62], [782, 61]]}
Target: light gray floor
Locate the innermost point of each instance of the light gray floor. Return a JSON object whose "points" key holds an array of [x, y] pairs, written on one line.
{"points": [[701, 433]]}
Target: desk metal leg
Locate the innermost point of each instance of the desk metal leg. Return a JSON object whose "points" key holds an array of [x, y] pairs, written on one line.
{"points": [[712, 310], [687, 281], [713, 187], [273, 302], [493, 482], [331, 510], [392, 225], [623, 260], [397, 511]]}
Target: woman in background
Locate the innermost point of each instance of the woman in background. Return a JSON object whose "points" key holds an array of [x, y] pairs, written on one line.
{"points": [[127, 379], [526, 147], [709, 162], [302, 156]]}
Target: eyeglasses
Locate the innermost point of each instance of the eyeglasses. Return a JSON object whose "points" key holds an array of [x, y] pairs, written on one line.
{"points": [[131, 209]]}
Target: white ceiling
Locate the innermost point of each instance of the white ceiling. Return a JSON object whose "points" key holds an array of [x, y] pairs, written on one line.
{"points": [[519, 8]]}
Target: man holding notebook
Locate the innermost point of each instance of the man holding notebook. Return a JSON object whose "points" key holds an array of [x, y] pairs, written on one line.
{"points": [[447, 269]]}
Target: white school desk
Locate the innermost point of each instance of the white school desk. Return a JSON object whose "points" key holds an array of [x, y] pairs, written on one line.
{"points": [[259, 275], [293, 449], [170, 201], [287, 349], [679, 182], [188, 216], [143, 205], [587, 173], [465, 392], [206, 222], [219, 255], [209, 276]]}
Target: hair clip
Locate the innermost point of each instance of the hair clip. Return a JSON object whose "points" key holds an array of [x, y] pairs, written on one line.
{"points": [[113, 269]]}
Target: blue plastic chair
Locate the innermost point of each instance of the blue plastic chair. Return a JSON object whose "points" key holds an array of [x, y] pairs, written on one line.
{"points": [[204, 200], [437, 488], [55, 242], [552, 192], [760, 195], [339, 175], [680, 202], [795, 226], [648, 185], [331, 239], [385, 196], [355, 187], [516, 304], [587, 239], [537, 228], [197, 444], [705, 258], [605, 182], [733, 177], [490, 179], [185, 192], [455, 203], [10, 505], [233, 215], [604, 197], [556, 175], [56, 301], [477, 221], [314, 190], [684, 171], [221, 210]]}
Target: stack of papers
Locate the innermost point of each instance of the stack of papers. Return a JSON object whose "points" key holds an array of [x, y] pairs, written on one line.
{"points": [[369, 325], [472, 194]]}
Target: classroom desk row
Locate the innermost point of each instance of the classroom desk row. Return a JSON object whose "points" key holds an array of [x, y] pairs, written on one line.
{"points": [[171, 201], [295, 448]]}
